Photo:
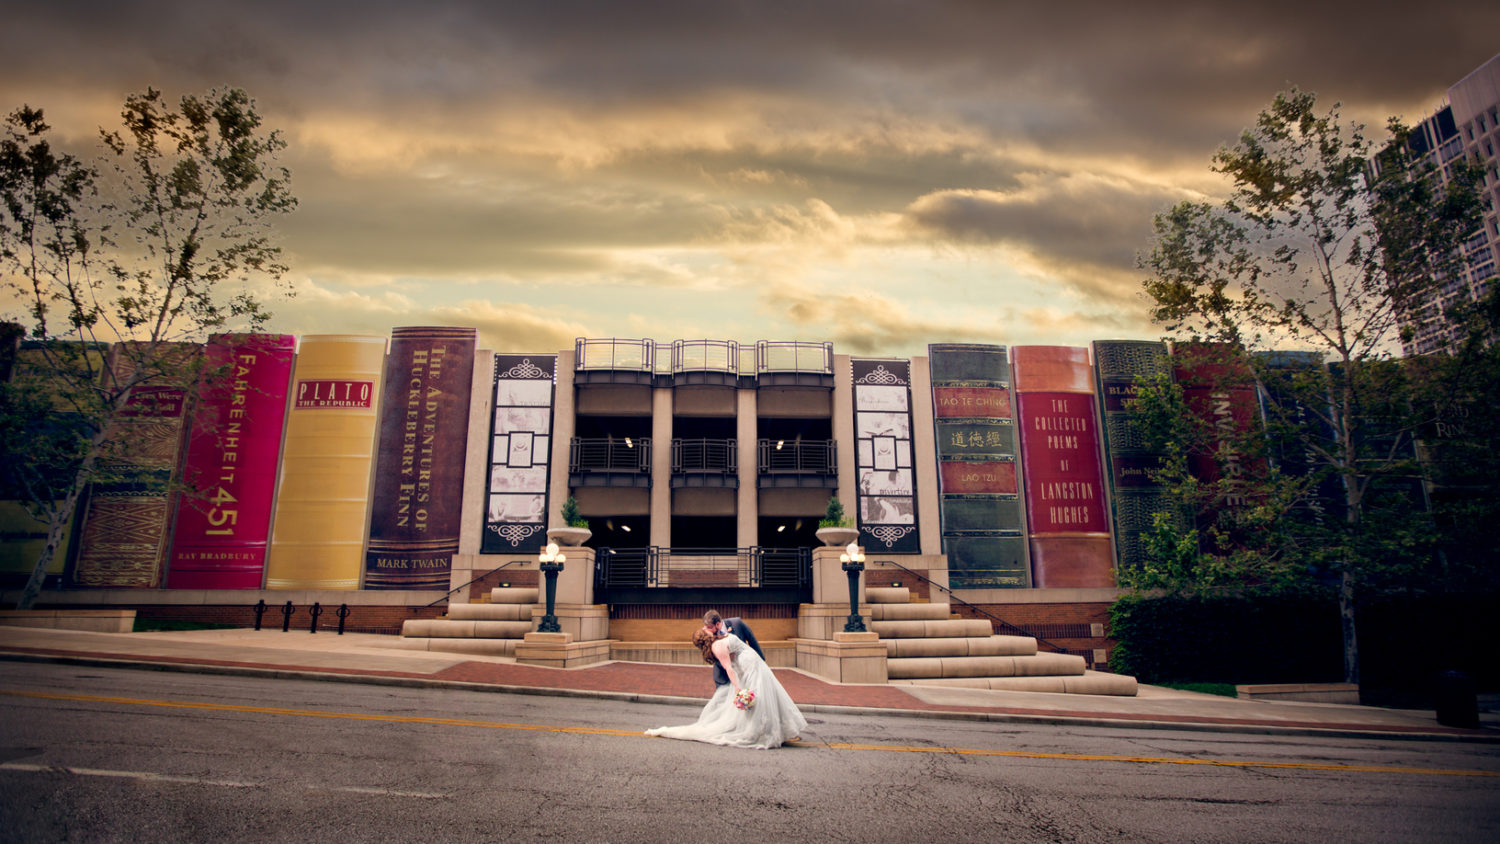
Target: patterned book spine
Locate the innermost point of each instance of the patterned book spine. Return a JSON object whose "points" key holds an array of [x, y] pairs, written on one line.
{"points": [[1135, 494], [125, 526], [419, 475], [322, 500], [1065, 499], [979, 500], [883, 456], [1290, 378], [229, 474], [520, 455]]}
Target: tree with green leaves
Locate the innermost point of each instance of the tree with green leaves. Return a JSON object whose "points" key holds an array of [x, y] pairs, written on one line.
{"points": [[1316, 250], [169, 238]]}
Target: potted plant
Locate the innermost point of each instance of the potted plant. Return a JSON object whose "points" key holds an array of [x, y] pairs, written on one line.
{"points": [[835, 528], [577, 531]]}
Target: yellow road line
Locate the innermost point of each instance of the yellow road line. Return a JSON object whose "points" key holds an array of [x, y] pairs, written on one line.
{"points": [[885, 748]]}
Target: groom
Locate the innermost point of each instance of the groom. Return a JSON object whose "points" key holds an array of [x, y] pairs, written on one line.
{"points": [[717, 626]]}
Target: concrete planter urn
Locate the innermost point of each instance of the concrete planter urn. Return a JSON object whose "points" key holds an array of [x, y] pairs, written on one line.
{"points": [[569, 536], [836, 536]]}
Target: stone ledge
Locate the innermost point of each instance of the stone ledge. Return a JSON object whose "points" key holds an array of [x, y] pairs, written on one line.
{"points": [[1309, 692], [842, 661], [95, 621], [560, 652]]}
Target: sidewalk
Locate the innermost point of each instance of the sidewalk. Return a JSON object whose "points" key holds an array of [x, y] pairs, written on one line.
{"points": [[367, 658]]}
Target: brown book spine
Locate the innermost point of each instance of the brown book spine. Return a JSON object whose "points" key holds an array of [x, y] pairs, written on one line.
{"points": [[419, 469]]}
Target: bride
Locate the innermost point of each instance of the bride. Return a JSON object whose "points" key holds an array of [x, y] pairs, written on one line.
{"points": [[771, 719]]}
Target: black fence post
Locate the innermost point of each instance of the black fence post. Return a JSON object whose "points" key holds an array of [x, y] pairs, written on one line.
{"points": [[317, 610], [286, 617], [260, 610], [343, 613]]}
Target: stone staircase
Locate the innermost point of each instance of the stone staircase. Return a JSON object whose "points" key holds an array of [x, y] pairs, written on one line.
{"points": [[493, 628], [927, 645]]}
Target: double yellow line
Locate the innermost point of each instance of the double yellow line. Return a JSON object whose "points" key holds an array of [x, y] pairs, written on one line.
{"points": [[884, 748]]}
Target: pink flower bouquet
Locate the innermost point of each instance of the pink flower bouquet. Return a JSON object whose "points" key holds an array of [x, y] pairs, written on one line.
{"points": [[744, 699]]}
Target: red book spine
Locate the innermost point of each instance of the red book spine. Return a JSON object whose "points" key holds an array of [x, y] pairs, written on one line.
{"points": [[1219, 389], [1066, 513], [224, 518], [419, 470]]}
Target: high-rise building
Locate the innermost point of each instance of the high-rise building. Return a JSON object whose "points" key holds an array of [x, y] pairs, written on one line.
{"points": [[1468, 126]]}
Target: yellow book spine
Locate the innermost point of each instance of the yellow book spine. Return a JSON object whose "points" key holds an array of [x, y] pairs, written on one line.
{"points": [[322, 501]]}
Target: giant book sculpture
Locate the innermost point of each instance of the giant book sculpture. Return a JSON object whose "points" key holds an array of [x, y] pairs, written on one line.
{"points": [[419, 469], [1065, 503], [322, 502], [979, 499], [229, 471]]}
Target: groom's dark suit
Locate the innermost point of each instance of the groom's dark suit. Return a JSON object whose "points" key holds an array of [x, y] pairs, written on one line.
{"points": [[738, 627]]}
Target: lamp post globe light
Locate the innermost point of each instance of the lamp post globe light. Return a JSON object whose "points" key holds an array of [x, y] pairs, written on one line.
{"points": [[551, 563], [853, 560]]}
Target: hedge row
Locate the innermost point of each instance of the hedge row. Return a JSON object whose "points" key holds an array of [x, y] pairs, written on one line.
{"points": [[1404, 641]]}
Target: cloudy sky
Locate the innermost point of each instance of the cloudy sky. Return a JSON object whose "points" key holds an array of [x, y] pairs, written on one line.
{"points": [[883, 174]]}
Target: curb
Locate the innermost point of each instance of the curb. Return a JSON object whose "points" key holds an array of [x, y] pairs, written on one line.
{"points": [[1266, 729]]}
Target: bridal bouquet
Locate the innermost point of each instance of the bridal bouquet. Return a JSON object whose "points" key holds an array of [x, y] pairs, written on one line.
{"points": [[744, 699]]}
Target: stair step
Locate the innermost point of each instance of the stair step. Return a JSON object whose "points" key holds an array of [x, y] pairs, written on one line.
{"points": [[966, 646], [443, 628], [933, 628], [490, 612], [1042, 664], [514, 595], [887, 595], [909, 612], [1089, 683], [486, 647]]}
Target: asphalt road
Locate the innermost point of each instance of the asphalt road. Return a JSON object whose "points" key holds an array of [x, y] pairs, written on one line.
{"points": [[92, 754]]}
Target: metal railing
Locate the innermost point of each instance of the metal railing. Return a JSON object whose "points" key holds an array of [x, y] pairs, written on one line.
{"points": [[984, 612], [705, 455], [793, 356], [807, 457], [696, 568], [614, 354], [705, 356], [609, 454]]}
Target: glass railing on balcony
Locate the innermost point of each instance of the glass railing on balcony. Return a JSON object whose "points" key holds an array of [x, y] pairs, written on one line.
{"points": [[705, 356], [705, 456], [801, 457], [614, 354], [610, 454], [794, 356]]}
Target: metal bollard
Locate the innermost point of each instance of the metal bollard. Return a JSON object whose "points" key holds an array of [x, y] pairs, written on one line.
{"points": [[342, 613], [317, 610], [286, 617], [260, 610]]}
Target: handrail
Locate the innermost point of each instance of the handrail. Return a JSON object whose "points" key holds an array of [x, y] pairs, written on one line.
{"points": [[1003, 623], [450, 592]]}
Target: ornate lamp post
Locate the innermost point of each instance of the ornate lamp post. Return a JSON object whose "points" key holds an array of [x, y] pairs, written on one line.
{"points": [[551, 563], [853, 560]]}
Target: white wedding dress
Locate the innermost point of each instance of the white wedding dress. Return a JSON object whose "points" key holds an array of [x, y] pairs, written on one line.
{"points": [[769, 723]]}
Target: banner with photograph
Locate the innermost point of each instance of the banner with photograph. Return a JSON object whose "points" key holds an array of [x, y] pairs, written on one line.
{"points": [[520, 455], [887, 503]]}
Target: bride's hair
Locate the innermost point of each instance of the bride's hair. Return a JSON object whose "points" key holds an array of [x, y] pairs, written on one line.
{"points": [[705, 642]]}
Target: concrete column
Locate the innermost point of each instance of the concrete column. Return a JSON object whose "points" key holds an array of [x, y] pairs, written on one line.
{"points": [[562, 438], [843, 433], [924, 458], [661, 467], [476, 468], [747, 509]]}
